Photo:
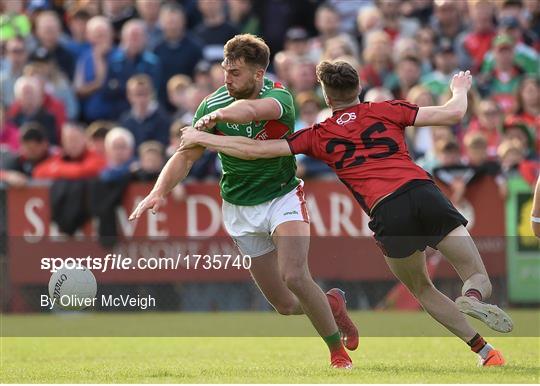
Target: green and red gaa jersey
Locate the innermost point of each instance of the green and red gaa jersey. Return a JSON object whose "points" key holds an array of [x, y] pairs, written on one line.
{"points": [[252, 182]]}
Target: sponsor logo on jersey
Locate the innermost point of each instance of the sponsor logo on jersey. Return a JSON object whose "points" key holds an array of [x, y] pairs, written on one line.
{"points": [[345, 118]]}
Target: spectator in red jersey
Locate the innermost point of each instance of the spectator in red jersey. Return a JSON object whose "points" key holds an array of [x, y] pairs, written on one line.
{"points": [[75, 162], [31, 106], [33, 151], [489, 123], [364, 144], [478, 42], [9, 133]]}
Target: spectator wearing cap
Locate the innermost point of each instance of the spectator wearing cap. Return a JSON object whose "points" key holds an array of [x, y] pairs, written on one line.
{"points": [[30, 106], [243, 18], [48, 29], [148, 10], [502, 82], [297, 42], [477, 158], [131, 58], [119, 153], [146, 119], [16, 56], [214, 30], [516, 130], [177, 43], [54, 82], [478, 41], [525, 56], [448, 23], [202, 77], [76, 42], [76, 161], [446, 65], [91, 74], [33, 151], [516, 9]]}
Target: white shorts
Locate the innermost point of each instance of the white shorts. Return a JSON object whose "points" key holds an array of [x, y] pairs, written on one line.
{"points": [[251, 227]]}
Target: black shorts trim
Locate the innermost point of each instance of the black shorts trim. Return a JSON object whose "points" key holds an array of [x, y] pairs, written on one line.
{"points": [[412, 218]]}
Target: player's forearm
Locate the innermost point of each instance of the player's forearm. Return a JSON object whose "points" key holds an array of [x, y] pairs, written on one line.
{"points": [[456, 107], [235, 146], [238, 112], [174, 171]]}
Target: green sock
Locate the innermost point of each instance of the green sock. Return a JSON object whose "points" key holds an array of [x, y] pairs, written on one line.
{"points": [[333, 341]]}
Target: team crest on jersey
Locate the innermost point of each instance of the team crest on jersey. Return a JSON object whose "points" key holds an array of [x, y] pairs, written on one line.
{"points": [[345, 118]]}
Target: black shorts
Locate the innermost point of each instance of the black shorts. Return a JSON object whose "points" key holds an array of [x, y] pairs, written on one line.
{"points": [[415, 216]]}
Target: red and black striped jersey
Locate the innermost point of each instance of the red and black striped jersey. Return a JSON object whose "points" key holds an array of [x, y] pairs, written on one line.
{"points": [[365, 145]]}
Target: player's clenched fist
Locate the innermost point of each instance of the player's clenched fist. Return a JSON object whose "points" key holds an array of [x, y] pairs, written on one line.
{"points": [[208, 121], [461, 81], [189, 137]]}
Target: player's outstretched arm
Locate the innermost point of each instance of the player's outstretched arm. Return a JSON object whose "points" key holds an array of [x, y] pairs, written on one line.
{"points": [[242, 111], [174, 171], [451, 112], [236, 146]]}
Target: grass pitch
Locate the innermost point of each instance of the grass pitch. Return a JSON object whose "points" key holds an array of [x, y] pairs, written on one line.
{"points": [[258, 359]]}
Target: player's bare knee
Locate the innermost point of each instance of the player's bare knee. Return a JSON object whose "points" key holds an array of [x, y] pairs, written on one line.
{"points": [[295, 280]]}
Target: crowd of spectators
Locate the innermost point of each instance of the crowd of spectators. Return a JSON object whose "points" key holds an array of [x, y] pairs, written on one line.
{"points": [[101, 88]]}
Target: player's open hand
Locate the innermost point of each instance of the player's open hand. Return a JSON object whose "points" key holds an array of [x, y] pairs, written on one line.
{"points": [[461, 81], [208, 121], [190, 136], [153, 201]]}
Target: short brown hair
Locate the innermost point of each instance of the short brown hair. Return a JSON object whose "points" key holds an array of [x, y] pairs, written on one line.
{"points": [[340, 80], [249, 47]]}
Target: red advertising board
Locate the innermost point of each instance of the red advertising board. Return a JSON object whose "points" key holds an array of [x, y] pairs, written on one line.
{"points": [[341, 245]]}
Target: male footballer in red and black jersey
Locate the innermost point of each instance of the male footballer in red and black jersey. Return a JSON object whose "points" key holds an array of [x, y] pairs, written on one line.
{"points": [[365, 145]]}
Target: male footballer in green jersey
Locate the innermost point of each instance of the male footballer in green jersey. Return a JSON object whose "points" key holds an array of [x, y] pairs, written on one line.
{"points": [[264, 208]]}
